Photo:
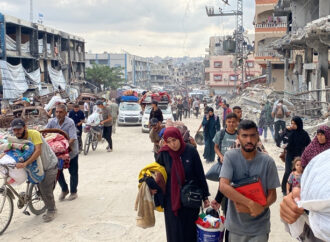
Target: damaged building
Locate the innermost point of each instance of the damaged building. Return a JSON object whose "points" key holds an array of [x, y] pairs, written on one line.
{"points": [[36, 57], [305, 50]]}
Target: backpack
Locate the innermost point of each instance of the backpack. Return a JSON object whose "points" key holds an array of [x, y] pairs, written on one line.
{"points": [[279, 112]]}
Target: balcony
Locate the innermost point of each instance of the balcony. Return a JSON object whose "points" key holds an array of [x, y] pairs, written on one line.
{"points": [[268, 53], [271, 25]]}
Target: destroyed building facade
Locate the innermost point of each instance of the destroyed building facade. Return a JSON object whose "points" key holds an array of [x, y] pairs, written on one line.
{"points": [[268, 28], [305, 48], [45, 52]]}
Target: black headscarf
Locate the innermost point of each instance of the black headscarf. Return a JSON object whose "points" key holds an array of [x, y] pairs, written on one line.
{"points": [[298, 139]]}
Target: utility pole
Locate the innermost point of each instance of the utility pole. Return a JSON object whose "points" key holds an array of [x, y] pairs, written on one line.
{"points": [[238, 33], [31, 11]]}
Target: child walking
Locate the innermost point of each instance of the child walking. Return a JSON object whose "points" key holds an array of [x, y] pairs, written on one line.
{"points": [[295, 176]]}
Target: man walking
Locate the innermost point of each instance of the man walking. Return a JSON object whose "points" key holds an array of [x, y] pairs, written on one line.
{"points": [[196, 105], [86, 108], [49, 163], [238, 111], [223, 140], [279, 112], [61, 121], [156, 112], [78, 118], [246, 219], [180, 110], [107, 123], [114, 114], [186, 108]]}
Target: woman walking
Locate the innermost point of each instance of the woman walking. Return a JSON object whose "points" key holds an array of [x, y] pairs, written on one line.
{"points": [[320, 143], [211, 125], [183, 165], [297, 140]]}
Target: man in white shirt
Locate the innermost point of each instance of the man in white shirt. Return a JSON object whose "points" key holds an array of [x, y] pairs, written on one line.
{"points": [[196, 104], [86, 109]]}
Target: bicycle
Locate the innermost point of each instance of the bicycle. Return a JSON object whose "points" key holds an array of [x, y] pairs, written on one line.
{"points": [[92, 137], [31, 199]]}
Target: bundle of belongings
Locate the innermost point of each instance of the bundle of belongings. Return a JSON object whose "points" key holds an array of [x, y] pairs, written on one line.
{"points": [[314, 197], [148, 97], [53, 101], [60, 145], [151, 177], [130, 93], [12, 151], [183, 130]]}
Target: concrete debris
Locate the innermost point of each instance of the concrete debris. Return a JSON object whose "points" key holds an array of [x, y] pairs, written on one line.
{"points": [[251, 98]]}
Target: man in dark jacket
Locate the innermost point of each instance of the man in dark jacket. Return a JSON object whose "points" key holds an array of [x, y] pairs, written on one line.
{"points": [[156, 112]]}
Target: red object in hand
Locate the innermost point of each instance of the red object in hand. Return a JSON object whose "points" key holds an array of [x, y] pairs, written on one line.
{"points": [[253, 191]]}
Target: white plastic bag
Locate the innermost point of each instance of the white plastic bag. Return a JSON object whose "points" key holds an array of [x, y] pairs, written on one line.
{"points": [[16, 176]]}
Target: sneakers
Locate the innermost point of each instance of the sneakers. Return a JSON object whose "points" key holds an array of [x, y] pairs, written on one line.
{"points": [[63, 195], [108, 149], [49, 216], [72, 196]]}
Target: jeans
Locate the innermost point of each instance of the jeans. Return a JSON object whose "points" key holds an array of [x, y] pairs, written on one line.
{"points": [[73, 170], [46, 187], [196, 112], [175, 116], [186, 113], [271, 127], [179, 116], [107, 132], [279, 125]]}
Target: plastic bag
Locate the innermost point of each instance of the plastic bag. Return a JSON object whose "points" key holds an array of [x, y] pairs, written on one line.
{"points": [[16, 176], [214, 172]]}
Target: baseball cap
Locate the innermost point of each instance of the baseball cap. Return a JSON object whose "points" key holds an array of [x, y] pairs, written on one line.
{"points": [[17, 123], [153, 121], [99, 102]]}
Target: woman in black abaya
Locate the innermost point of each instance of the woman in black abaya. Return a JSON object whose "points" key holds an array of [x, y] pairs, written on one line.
{"points": [[182, 164]]}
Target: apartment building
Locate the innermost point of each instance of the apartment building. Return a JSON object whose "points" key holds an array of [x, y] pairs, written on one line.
{"points": [[221, 76], [136, 69], [50, 54], [269, 28]]}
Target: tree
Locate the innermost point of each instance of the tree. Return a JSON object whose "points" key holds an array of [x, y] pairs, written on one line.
{"points": [[108, 76]]}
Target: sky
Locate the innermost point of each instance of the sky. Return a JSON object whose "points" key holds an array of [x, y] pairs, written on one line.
{"points": [[141, 27]]}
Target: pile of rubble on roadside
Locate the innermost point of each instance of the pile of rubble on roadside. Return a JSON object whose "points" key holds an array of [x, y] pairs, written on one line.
{"points": [[251, 98]]}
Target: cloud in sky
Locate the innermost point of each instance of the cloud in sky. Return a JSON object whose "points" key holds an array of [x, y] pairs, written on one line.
{"points": [[144, 27]]}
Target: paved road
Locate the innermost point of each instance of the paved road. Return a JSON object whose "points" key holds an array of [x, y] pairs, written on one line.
{"points": [[107, 191]]}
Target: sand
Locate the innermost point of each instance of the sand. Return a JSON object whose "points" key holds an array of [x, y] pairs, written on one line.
{"points": [[107, 191]]}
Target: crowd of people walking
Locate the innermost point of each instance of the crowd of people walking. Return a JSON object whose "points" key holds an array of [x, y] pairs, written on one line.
{"points": [[242, 158]]}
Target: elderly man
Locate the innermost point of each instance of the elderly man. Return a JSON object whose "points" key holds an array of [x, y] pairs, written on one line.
{"points": [[49, 163], [61, 121]]}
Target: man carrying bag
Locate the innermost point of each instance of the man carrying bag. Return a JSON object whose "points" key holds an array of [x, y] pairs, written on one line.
{"points": [[223, 140]]}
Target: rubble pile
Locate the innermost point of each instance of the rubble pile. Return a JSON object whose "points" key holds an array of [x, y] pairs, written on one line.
{"points": [[251, 98]]}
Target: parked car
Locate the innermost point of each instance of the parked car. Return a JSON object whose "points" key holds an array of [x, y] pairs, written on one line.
{"points": [[167, 114], [130, 113]]}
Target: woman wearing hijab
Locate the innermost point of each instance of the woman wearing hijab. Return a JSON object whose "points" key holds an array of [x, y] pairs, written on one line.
{"points": [[320, 143], [182, 164], [211, 125], [297, 140]]}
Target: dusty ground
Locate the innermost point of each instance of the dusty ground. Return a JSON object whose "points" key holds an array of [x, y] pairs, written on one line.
{"points": [[107, 191]]}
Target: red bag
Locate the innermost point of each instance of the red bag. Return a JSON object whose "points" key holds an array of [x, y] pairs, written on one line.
{"points": [[251, 188]]}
